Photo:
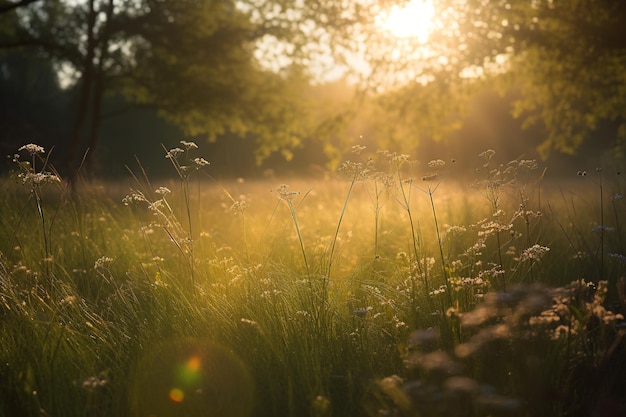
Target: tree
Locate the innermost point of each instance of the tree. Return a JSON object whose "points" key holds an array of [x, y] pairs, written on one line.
{"points": [[566, 59], [199, 62], [7, 6]]}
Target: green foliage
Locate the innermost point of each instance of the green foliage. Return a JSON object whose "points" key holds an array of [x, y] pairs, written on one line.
{"points": [[564, 58], [213, 68]]}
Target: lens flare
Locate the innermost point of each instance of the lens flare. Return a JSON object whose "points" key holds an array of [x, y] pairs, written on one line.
{"points": [[194, 378], [177, 395], [190, 372]]}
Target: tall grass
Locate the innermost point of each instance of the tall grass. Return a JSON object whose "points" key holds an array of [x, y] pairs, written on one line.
{"points": [[162, 301]]}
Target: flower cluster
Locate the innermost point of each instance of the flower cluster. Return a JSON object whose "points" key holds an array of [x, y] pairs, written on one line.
{"points": [[32, 149], [533, 253], [357, 171], [283, 193], [28, 174], [190, 164], [102, 263]]}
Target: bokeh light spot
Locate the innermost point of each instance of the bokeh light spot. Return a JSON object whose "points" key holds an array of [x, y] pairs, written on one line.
{"points": [[191, 377], [190, 372], [177, 395]]}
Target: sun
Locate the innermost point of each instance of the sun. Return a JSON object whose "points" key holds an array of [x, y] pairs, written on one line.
{"points": [[412, 20]]}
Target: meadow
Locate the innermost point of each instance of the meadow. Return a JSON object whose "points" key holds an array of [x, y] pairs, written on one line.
{"points": [[388, 288]]}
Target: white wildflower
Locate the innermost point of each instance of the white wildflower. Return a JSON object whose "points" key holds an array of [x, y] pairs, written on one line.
{"points": [[188, 144], [436, 163], [201, 162], [102, 262], [32, 149], [174, 153], [162, 191], [535, 253]]}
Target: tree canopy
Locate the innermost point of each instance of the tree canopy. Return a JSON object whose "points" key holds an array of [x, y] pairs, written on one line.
{"points": [[218, 68], [212, 67], [565, 59]]}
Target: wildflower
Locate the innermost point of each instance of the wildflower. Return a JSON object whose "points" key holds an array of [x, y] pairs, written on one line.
{"points": [[188, 144], [162, 191], [38, 178], [603, 228], [174, 153], [618, 256], [528, 164], [201, 162], [134, 198], [582, 173], [488, 154], [357, 149], [239, 206], [32, 149], [441, 290], [534, 252], [156, 206], [395, 158], [495, 271], [436, 163], [353, 170], [401, 158], [455, 230], [284, 193], [432, 177], [102, 262]]}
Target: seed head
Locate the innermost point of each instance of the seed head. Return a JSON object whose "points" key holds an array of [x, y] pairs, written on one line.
{"points": [[436, 163], [188, 144], [174, 153], [32, 149], [284, 194], [162, 191], [201, 162]]}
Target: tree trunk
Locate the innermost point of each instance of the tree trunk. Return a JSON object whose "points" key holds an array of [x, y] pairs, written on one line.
{"points": [[98, 90], [84, 94]]}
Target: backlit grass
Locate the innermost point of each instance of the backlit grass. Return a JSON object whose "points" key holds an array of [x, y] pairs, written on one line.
{"points": [[390, 287]]}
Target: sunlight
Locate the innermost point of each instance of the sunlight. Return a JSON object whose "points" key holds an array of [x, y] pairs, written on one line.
{"points": [[413, 20]]}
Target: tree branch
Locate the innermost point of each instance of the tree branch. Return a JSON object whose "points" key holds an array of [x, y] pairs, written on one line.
{"points": [[5, 8]]}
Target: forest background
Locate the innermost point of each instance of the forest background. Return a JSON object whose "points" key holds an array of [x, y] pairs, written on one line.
{"points": [[288, 87]]}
